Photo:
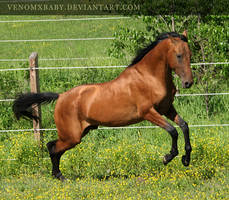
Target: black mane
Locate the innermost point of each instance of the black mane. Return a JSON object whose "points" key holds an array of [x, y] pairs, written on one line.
{"points": [[142, 52]]}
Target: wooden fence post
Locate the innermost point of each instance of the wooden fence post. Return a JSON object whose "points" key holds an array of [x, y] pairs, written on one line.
{"points": [[35, 88]]}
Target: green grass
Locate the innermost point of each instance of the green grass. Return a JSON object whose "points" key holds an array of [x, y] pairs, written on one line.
{"points": [[58, 30], [175, 187], [111, 164], [119, 165]]}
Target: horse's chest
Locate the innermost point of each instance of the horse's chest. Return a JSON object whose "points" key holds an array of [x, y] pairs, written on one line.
{"points": [[165, 102]]}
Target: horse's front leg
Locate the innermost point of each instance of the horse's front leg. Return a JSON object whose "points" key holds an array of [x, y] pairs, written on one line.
{"points": [[172, 115], [154, 117]]}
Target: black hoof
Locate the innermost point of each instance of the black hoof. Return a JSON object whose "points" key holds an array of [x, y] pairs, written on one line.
{"points": [[167, 158], [185, 161], [60, 177]]}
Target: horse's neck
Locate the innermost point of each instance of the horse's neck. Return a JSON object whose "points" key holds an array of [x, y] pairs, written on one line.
{"points": [[155, 64]]}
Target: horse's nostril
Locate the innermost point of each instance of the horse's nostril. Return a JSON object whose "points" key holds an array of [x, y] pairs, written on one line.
{"points": [[188, 84]]}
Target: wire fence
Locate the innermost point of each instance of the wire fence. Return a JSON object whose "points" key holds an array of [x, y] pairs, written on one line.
{"points": [[112, 128], [87, 67], [18, 131], [64, 20], [95, 67], [101, 67], [58, 40], [53, 59], [177, 95]]}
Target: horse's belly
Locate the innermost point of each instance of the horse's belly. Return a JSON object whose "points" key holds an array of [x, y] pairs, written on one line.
{"points": [[113, 114], [109, 107]]}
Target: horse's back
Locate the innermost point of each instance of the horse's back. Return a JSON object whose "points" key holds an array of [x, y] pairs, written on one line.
{"points": [[71, 99]]}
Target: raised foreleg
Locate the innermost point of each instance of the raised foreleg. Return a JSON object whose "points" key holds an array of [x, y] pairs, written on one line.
{"points": [[154, 117], [172, 115]]}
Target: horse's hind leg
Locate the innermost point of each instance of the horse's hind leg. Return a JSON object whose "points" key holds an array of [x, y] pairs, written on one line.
{"points": [[154, 117], [56, 150], [55, 159], [69, 135]]}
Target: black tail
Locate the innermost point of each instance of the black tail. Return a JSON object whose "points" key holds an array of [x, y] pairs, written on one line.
{"points": [[22, 106]]}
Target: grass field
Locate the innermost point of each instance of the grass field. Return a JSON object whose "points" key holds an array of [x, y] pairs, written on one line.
{"points": [[108, 164], [119, 165]]}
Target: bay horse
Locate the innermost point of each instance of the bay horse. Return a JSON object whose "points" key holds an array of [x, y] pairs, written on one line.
{"points": [[143, 91]]}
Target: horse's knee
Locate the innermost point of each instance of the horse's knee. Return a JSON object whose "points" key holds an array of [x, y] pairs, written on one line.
{"points": [[172, 131], [183, 125], [51, 147]]}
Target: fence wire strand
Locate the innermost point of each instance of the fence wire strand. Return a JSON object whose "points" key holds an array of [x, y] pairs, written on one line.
{"points": [[58, 40], [113, 128], [64, 20], [177, 95], [96, 67], [53, 59]]}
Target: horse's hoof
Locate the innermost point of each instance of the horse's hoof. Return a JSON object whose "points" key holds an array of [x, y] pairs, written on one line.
{"points": [[185, 161], [60, 177], [166, 159]]}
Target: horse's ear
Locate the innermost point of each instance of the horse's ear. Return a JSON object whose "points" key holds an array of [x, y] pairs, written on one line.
{"points": [[185, 33]]}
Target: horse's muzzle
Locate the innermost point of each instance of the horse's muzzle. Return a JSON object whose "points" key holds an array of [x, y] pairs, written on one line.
{"points": [[187, 84]]}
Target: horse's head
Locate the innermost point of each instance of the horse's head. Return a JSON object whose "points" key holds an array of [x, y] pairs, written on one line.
{"points": [[179, 56]]}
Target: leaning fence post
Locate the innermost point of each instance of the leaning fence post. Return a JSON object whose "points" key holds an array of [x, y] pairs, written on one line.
{"points": [[35, 88]]}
